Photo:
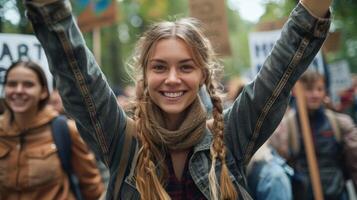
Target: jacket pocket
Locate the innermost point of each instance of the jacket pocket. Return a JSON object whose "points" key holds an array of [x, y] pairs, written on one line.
{"points": [[44, 165]]}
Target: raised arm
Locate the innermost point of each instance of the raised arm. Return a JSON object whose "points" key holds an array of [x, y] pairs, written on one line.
{"points": [[86, 94], [260, 107]]}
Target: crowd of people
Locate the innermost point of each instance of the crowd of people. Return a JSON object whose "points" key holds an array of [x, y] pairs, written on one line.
{"points": [[171, 136]]}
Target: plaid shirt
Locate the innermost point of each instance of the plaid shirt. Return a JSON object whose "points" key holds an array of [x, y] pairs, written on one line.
{"points": [[185, 188]]}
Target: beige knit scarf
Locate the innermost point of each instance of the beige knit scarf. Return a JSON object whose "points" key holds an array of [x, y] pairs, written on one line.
{"points": [[189, 133]]}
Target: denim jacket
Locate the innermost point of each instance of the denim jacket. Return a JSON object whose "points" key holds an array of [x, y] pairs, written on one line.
{"points": [[252, 118]]}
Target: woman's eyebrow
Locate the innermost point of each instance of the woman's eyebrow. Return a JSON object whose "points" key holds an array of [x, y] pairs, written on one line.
{"points": [[186, 60]]}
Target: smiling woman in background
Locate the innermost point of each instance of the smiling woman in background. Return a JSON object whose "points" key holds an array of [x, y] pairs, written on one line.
{"points": [[30, 167]]}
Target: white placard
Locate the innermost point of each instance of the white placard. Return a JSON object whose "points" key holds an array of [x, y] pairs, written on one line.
{"points": [[340, 79], [19, 46], [261, 44]]}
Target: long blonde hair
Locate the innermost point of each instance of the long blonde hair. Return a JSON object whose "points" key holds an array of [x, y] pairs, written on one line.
{"points": [[147, 173]]}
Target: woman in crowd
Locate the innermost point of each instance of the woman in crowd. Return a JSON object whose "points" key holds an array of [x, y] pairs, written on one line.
{"points": [[179, 154], [30, 167]]}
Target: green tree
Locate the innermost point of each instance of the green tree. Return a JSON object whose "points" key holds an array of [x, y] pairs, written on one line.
{"points": [[345, 16]]}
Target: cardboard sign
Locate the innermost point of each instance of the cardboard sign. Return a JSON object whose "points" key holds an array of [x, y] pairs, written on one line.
{"points": [[212, 13], [18, 46], [261, 44], [96, 13]]}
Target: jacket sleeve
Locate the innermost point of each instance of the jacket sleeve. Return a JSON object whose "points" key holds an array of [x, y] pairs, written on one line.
{"points": [[258, 110], [84, 166], [349, 141], [86, 95]]}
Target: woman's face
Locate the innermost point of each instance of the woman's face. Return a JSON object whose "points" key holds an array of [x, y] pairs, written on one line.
{"points": [[23, 90], [173, 78]]}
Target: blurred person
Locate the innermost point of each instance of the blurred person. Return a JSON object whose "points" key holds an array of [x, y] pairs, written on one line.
{"points": [[168, 150], [335, 141], [268, 175], [30, 166]]}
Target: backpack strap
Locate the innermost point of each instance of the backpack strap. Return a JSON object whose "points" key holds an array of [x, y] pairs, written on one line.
{"points": [[123, 163], [331, 116], [292, 128], [62, 139]]}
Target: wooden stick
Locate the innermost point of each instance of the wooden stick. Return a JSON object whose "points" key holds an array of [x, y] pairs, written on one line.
{"points": [[97, 45], [308, 142]]}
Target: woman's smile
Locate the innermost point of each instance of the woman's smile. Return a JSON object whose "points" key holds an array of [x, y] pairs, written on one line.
{"points": [[173, 77]]}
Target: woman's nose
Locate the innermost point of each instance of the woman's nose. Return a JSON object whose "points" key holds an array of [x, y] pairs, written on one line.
{"points": [[173, 77], [19, 88]]}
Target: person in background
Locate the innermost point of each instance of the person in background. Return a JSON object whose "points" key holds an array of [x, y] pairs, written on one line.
{"points": [[30, 167], [177, 153], [268, 175], [334, 134]]}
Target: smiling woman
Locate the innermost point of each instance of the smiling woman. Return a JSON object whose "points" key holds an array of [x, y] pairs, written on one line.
{"points": [[173, 79], [29, 163], [25, 90], [174, 151]]}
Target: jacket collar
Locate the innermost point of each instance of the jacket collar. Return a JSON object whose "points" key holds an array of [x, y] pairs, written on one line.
{"points": [[205, 143], [11, 129]]}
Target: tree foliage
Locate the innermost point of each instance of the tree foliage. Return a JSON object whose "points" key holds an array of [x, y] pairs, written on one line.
{"points": [[345, 17]]}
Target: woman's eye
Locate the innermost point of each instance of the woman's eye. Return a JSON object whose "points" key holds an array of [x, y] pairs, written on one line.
{"points": [[187, 68], [28, 84], [11, 84], [159, 68]]}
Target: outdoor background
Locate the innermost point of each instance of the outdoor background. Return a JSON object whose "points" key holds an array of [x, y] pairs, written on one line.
{"points": [[244, 16]]}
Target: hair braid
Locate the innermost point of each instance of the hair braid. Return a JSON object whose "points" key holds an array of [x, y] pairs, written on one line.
{"points": [[146, 172], [218, 150]]}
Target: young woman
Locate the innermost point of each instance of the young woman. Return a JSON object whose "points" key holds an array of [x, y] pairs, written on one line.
{"points": [[180, 155], [30, 167]]}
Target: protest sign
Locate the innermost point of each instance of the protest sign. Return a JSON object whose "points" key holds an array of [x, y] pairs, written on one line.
{"points": [[14, 47], [340, 79], [261, 44], [93, 14]]}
